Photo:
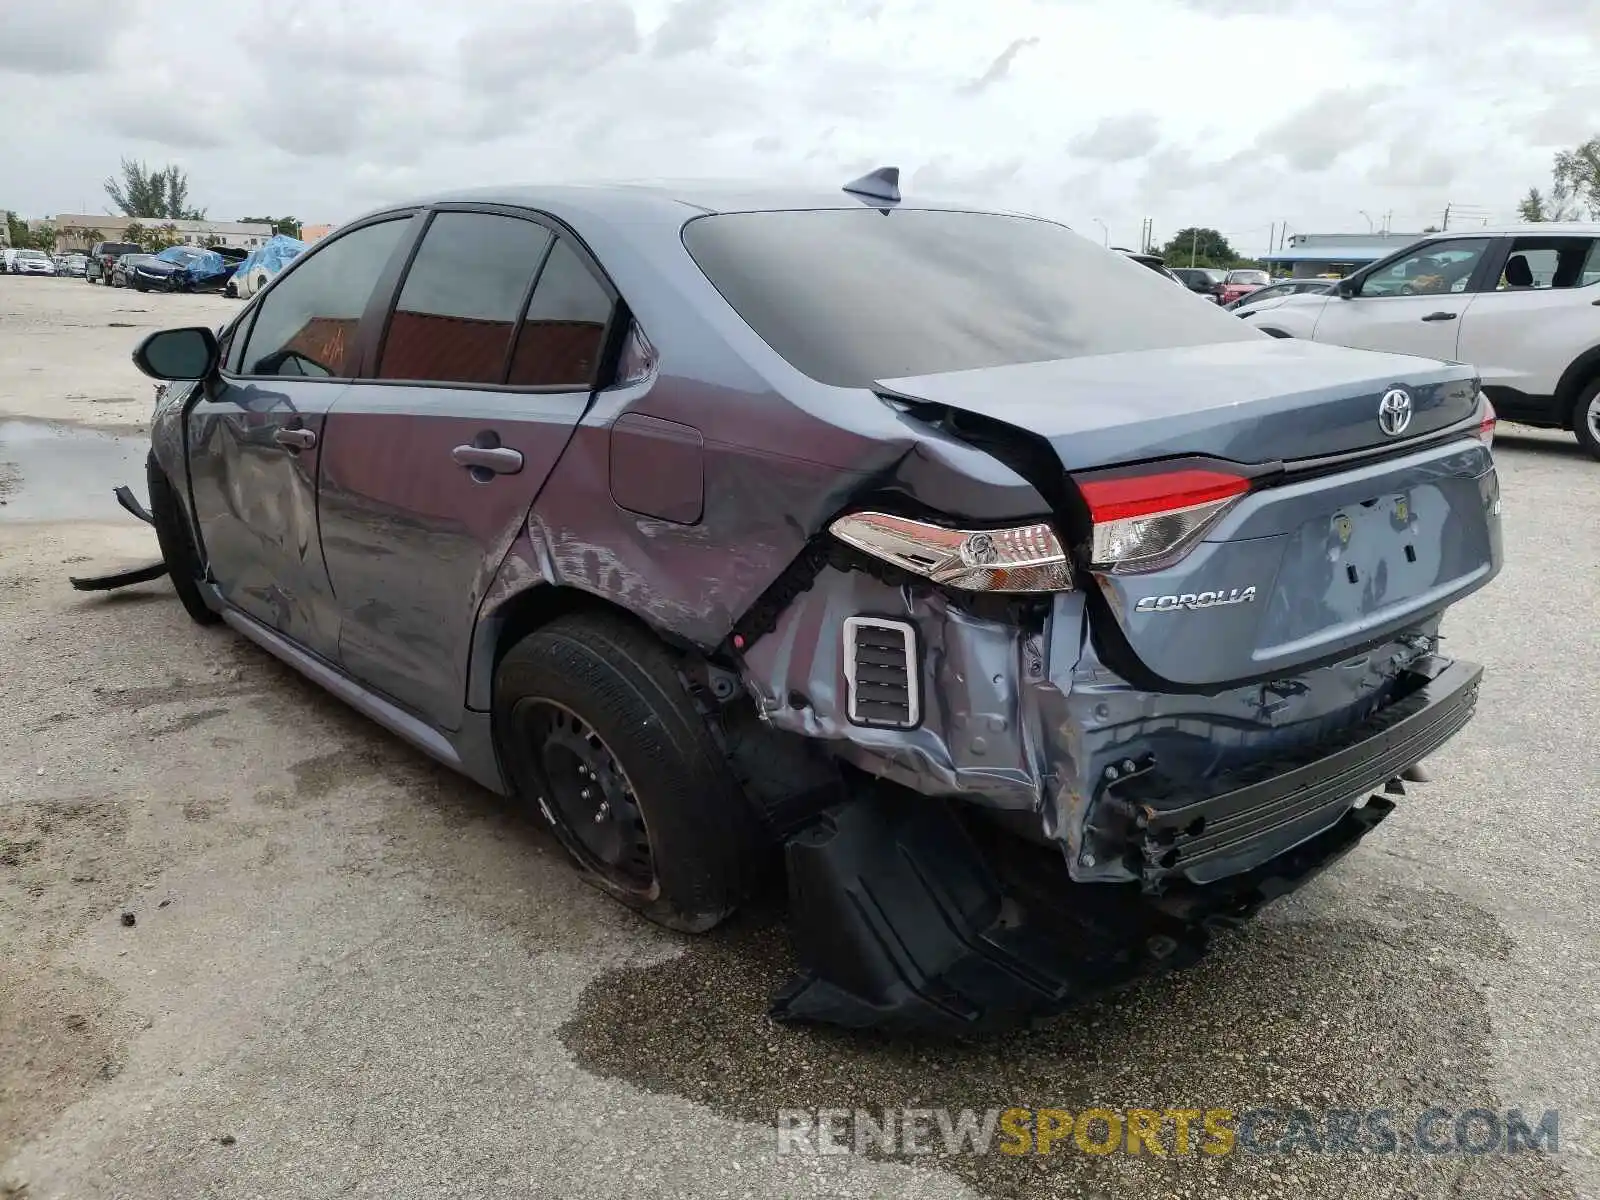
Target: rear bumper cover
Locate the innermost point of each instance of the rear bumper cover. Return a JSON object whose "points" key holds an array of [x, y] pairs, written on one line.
{"points": [[1246, 818], [911, 913]]}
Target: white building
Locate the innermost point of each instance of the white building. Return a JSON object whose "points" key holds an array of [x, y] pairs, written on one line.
{"points": [[77, 231]]}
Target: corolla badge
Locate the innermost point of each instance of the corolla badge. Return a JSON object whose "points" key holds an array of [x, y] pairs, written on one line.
{"points": [[1394, 411], [1193, 600]]}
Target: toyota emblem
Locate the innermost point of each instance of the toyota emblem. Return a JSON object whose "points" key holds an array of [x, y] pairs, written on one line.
{"points": [[1394, 411]]}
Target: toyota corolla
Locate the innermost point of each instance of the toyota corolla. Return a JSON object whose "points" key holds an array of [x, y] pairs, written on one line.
{"points": [[1039, 618]]}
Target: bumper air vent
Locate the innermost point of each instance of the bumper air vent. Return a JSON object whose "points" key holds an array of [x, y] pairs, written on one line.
{"points": [[882, 672]]}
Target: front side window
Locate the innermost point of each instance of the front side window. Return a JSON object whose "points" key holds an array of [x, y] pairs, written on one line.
{"points": [[564, 331], [307, 324], [459, 305], [852, 296], [1440, 269]]}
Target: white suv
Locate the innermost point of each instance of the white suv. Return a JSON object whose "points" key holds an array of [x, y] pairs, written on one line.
{"points": [[1519, 303]]}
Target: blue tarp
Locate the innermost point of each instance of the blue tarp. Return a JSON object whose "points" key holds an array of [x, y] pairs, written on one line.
{"points": [[273, 255], [200, 264]]}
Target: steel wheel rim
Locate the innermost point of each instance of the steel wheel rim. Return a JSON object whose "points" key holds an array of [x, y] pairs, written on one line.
{"points": [[588, 795]]}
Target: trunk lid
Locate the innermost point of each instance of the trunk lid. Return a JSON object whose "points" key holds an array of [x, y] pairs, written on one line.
{"points": [[1304, 568], [1256, 401]]}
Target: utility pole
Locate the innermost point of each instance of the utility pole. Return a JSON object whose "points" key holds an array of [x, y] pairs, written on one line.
{"points": [[1194, 243], [1272, 233], [1446, 224]]}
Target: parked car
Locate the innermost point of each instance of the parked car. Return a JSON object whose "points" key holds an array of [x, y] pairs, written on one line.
{"points": [[1154, 261], [1264, 298], [262, 264], [1207, 281], [1518, 302], [73, 263], [187, 269], [102, 256], [1241, 283], [31, 262], [122, 268], [1061, 616]]}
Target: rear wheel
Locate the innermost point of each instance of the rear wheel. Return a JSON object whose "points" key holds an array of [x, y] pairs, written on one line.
{"points": [[177, 548], [1586, 418], [595, 727]]}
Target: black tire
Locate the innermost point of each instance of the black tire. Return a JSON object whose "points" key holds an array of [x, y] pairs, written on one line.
{"points": [[1586, 418], [177, 549], [672, 835]]}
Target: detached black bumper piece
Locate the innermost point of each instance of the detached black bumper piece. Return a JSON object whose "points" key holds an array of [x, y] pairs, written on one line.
{"points": [[915, 914]]}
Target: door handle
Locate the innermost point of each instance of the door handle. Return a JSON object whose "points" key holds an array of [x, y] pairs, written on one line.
{"points": [[295, 439], [500, 460], [1440, 316]]}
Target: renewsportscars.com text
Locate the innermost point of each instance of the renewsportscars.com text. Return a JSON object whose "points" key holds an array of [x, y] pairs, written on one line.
{"points": [[1166, 1132]]}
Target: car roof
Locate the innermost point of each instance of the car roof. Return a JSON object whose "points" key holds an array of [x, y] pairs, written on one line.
{"points": [[658, 198], [1535, 229]]}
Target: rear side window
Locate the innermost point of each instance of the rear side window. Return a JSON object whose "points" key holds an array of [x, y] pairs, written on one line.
{"points": [[850, 296], [306, 325], [463, 293], [564, 332]]}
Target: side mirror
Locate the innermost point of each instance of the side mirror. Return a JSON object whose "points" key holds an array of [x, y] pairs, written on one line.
{"points": [[1346, 288], [178, 354]]}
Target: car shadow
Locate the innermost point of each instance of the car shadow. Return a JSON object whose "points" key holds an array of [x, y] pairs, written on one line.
{"points": [[1558, 443]]}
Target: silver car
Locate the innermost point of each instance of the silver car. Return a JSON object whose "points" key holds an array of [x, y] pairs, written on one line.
{"points": [[1037, 618]]}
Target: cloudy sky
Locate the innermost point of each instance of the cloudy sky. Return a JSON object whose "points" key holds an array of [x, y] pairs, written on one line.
{"points": [[1232, 113]]}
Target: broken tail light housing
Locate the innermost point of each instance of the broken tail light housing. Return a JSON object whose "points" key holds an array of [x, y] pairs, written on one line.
{"points": [[1148, 519], [1026, 558]]}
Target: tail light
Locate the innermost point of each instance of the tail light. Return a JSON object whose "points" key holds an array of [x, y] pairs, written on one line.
{"points": [[1487, 424], [1027, 558], [1147, 520]]}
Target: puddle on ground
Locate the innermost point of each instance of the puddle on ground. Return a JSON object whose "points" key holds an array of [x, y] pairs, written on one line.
{"points": [[62, 473]]}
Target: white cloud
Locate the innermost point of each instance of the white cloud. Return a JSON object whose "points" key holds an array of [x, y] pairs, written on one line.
{"points": [[1067, 107]]}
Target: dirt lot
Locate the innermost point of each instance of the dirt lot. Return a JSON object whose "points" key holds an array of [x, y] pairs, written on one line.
{"points": [[349, 972]]}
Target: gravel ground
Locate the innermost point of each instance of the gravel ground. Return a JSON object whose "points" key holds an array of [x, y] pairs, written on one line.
{"points": [[351, 972]]}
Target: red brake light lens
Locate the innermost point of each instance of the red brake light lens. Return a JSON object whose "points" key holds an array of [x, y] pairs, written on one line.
{"points": [[1487, 424], [1146, 521], [1145, 495]]}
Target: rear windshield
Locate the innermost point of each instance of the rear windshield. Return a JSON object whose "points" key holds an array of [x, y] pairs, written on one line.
{"points": [[116, 248], [851, 296]]}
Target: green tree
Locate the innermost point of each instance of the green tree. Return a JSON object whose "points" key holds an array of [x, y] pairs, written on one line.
{"points": [[160, 237], [288, 226], [1198, 247], [134, 233], [79, 234], [1577, 178], [44, 238], [1536, 207], [17, 234], [146, 192]]}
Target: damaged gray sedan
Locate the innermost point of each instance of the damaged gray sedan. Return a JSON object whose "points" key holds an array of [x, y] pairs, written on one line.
{"points": [[1038, 620]]}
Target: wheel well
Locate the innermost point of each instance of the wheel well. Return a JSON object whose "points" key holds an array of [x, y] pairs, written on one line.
{"points": [[514, 620], [1585, 369]]}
